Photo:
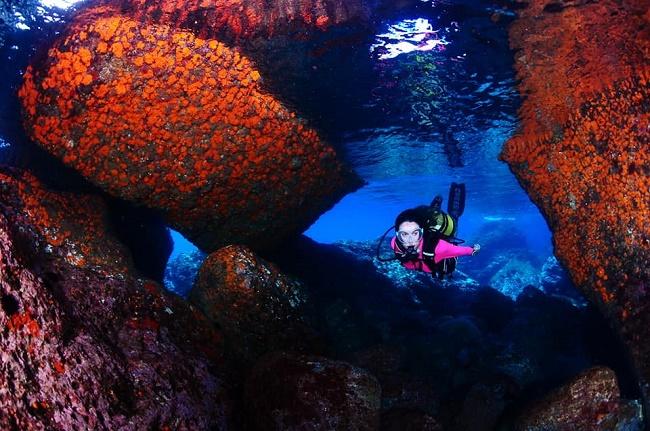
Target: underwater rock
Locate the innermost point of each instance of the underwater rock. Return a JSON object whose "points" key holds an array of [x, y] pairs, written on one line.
{"points": [[492, 308], [589, 402], [429, 345], [513, 277], [380, 359], [541, 327], [257, 308], [67, 226], [85, 229], [402, 391], [554, 280], [582, 152], [343, 326], [505, 262], [180, 124], [408, 420], [485, 402], [85, 343], [297, 392]]}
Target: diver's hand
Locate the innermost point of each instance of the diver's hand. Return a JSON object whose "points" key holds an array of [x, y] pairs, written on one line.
{"points": [[475, 248]]}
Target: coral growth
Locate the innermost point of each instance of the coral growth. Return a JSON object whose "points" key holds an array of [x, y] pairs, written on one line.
{"points": [[181, 124], [583, 151]]}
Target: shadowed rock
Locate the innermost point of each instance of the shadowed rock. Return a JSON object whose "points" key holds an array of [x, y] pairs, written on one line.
{"points": [[296, 392], [86, 344], [590, 402], [257, 308]]}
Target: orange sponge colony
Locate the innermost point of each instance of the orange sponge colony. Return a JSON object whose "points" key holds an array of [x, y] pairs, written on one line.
{"points": [[583, 153], [181, 124]]}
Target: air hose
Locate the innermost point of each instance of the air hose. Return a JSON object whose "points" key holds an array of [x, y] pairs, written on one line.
{"points": [[381, 241]]}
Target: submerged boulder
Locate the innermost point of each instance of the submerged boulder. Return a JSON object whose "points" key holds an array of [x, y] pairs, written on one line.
{"points": [[181, 124], [257, 308], [86, 344], [590, 402], [297, 392], [408, 420], [583, 151], [554, 280]]}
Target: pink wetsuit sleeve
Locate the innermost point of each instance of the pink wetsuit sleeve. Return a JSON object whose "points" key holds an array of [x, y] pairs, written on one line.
{"points": [[445, 250]]}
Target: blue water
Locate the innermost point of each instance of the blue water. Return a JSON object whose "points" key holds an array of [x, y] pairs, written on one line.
{"points": [[181, 245], [447, 117]]}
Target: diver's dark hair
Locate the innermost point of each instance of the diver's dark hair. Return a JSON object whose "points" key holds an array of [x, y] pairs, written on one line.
{"points": [[411, 214]]}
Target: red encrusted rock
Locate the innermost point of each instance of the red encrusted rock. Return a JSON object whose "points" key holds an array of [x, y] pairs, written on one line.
{"points": [[244, 19], [67, 226], [583, 151], [590, 402], [181, 124], [257, 308], [84, 346], [297, 392]]}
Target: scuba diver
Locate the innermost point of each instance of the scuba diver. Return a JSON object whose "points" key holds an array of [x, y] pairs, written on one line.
{"points": [[425, 236]]}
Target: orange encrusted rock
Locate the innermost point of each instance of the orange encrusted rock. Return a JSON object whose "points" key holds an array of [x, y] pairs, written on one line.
{"points": [[180, 124], [582, 152], [69, 226], [236, 20]]}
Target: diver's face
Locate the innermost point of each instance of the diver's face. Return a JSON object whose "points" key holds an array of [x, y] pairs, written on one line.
{"points": [[409, 233]]}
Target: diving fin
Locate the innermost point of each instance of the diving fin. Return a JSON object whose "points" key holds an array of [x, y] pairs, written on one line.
{"points": [[436, 203], [456, 201]]}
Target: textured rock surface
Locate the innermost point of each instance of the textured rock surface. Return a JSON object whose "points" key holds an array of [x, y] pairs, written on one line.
{"points": [[244, 19], [67, 226], [554, 280], [85, 344], [590, 402], [258, 309], [582, 153], [296, 392], [161, 117], [484, 403]]}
